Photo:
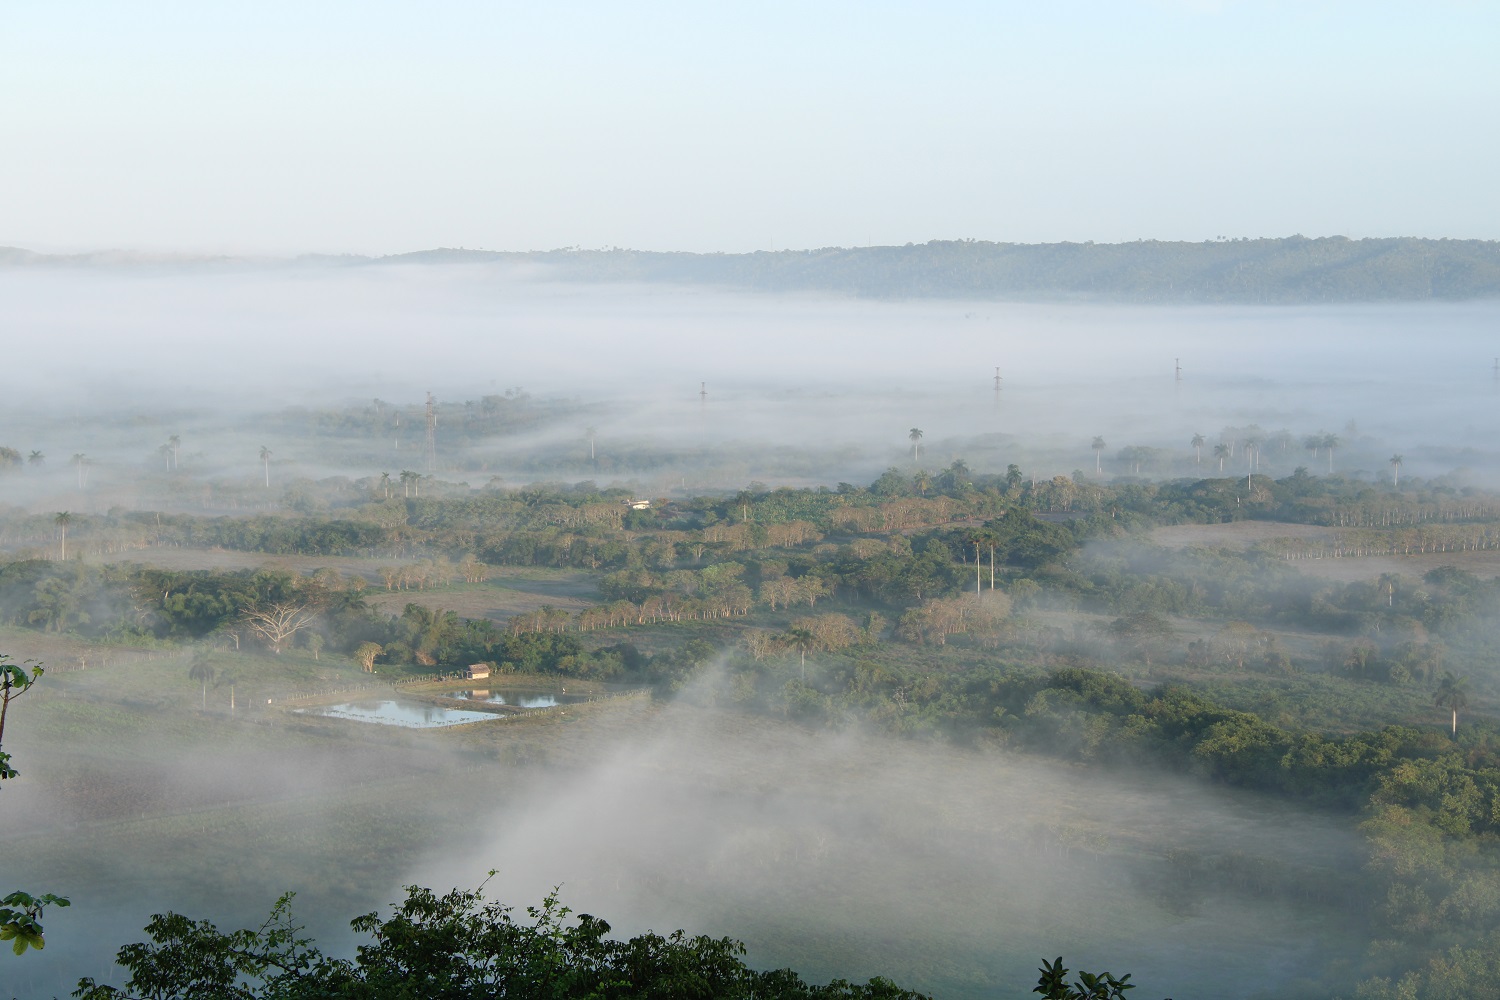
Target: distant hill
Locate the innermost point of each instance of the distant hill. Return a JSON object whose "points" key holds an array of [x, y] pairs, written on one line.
{"points": [[1292, 270]]}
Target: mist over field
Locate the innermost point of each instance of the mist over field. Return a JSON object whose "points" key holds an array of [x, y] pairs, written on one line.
{"points": [[844, 854], [839, 854], [842, 844], [113, 357], [907, 492]]}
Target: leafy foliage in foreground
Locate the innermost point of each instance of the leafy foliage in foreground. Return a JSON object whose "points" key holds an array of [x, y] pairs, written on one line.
{"points": [[457, 946], [20, 912], [1053, 984]]}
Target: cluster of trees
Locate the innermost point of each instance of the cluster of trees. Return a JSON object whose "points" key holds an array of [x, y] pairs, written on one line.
{"points": [[456, 945], [460, 946], [588, 528], [136, 604]]}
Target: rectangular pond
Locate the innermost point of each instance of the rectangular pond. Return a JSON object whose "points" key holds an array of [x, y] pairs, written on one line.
{"points": [[399, 712]]}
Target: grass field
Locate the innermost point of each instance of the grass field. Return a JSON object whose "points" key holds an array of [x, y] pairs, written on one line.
{"points": [[1347, 569]]}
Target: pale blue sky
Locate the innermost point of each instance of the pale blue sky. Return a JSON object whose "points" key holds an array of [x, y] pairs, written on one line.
{"points": [[379, 127]]}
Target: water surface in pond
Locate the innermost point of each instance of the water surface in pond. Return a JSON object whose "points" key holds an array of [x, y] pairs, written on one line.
{"points": [[399, 712], [520, 699]]}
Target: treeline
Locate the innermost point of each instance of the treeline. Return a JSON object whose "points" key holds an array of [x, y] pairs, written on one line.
{"points": [[1294, 269], [586, 527]]}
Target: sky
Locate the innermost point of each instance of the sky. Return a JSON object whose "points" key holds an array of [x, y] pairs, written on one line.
{"points": [[376, 127]]}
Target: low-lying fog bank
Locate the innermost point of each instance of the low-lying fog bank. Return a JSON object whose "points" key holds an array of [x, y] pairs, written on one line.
{"points": [[838, 854], [107, 364], [950, 870]]}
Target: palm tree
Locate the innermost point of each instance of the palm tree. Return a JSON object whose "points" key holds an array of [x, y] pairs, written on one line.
{"points": [[1396, 470], [915, 434], [1312, 443], [202, 671], [591, 434], [175, 443], [385, 484], [406, 477], [1098, 450], [1452, 694], [79, 458], [36, 458], [1221, 452], [802, 640], [1197, 443], [228, 680], [265, 459], [922, 480], [1331, 441], [1252, 445], [62, 520], [165, 451]]}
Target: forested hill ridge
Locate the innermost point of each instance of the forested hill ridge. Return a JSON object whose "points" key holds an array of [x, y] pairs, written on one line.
{"points": [[1291, 270]]}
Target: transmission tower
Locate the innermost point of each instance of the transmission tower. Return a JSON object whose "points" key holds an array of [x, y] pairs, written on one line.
{"points": [[431, 434]]}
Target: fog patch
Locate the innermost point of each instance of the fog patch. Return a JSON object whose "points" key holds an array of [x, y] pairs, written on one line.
{"points": [[950, 870]]}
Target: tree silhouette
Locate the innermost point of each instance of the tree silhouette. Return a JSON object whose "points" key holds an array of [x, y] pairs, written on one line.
{"points": [[1197, 443], [915, 434], [1098, 450], [1221, 452], [922, 480], [1396, 471], [265, 460], [385, 484], [36, 458], [62, 520], [80, 459], [1331, 441], [1452, 694], [175, 443]]}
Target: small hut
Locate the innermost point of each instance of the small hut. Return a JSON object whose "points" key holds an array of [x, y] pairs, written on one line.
{"points": [[478, 671]]}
